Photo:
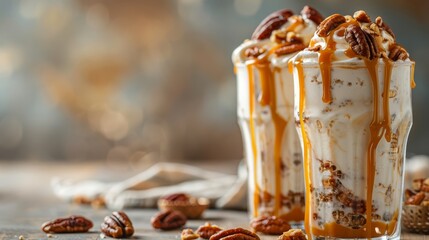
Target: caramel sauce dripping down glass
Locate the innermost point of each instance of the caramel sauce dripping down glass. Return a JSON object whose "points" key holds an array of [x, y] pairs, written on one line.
{"points": [[354, 120]]}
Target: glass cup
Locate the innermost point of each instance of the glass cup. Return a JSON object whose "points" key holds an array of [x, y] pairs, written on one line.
{"points": [[271, 143], [354, 147]]}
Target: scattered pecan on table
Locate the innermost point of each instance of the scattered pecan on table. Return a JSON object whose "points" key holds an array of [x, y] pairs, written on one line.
{"points": [[188, 234], [118, 225], [270, 225], [235, 233], [168, 220], [207, 230], [72, 224], [293, 234]]}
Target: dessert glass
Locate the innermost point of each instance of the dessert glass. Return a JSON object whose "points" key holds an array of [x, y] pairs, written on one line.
{"points": [[354, 118], [272, 148], [266, 113]]}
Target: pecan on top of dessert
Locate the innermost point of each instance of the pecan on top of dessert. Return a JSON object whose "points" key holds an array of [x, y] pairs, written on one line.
{"points": [[280, 33], [357, 36]]}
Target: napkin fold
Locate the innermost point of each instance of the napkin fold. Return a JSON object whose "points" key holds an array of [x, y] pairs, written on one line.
{"points": [[144, 189]]}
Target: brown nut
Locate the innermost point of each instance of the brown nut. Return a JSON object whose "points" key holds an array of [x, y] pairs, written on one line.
{"points": [[329, 24], [380, 23], [189, 205], [361, 16], [270, 225], [293, 234], [169, 219], [207, 230], [118, 225], [289, 49], [188, 234], [416, 199], [397, 53], [312, 14], [425, 204], [235, 233], [177, 197], [361, 42], [254, 52], [272, 22], [72, 224]]}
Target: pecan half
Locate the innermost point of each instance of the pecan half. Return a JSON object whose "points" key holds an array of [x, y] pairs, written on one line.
{"points": [[176, 197], [118, 225], [168, 220], [416, 199], [329, 24], [397, 52], [272, 22], [361, 42], [312, 14], [380, 23], [289, 49], [72, 224], [207, 230], [270, 225], [293, 234], [235, 234], [188, 234], [361, 16]]}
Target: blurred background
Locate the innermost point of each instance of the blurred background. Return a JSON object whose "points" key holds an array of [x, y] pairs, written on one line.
{"points": [[146, 81]]}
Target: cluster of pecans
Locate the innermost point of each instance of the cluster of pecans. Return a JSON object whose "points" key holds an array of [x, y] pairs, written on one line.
{"points": [[362, 36], [288, 40], [419, 194], [237, 234], [119, 225]]}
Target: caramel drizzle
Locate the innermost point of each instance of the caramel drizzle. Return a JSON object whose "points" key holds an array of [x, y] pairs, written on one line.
{"points": [[306, 147], [375, 126], [413, 83], [378, 128], [388, 66], [268, 97], [379, 229], [253, 139]]}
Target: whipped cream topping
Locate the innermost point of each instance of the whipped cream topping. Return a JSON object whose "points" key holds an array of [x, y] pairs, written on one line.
{"points": [[303, 27], [383, 40]]}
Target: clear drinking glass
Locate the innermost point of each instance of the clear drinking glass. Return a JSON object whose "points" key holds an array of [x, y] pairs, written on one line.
{"points": [[354, 147], [271, 143]]}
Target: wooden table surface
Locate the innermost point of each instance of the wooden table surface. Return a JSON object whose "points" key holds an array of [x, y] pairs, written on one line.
{"points": [[26, 201]]}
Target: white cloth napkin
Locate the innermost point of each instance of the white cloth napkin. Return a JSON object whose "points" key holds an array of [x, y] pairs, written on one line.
{"points": [[144, 189]]}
